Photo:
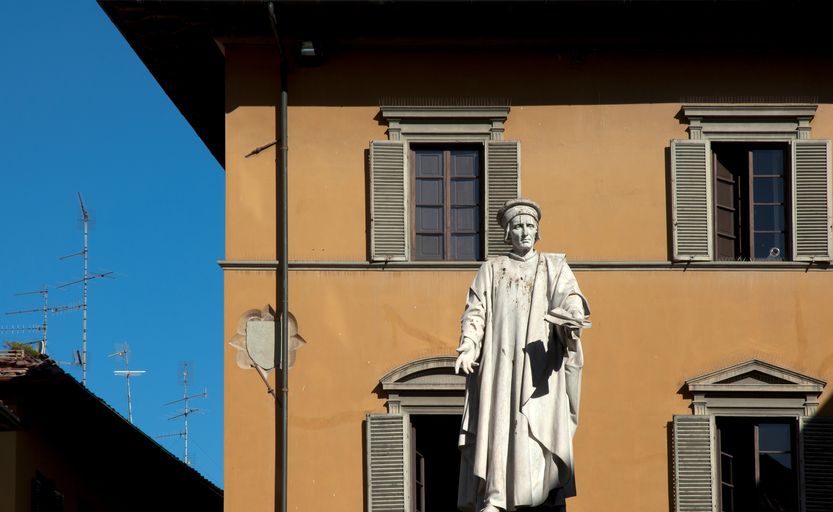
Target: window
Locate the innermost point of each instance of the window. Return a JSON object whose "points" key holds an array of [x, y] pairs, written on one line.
{"points": [[750, 198], [447, 203], [758, 466], [413, 463], [750, 184], [436, 461], [437, 183], [753, 444]]}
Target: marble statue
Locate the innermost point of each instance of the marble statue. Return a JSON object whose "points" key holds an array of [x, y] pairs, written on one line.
{"points": [[520, 348]]}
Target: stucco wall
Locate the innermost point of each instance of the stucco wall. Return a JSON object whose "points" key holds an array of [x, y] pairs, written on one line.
{"points": [[652, 330], [594, 139]]}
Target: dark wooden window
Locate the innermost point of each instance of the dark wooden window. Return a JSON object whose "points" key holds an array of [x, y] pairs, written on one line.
{"points": [[418, 475], [757, 464], [727, 483], [751, 201], [436, 459], [447, 199]]}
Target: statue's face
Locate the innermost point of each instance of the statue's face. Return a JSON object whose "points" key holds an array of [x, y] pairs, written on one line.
{"points": [[523, 231]]}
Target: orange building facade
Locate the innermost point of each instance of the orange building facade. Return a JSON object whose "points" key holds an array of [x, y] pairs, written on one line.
{"points": [[689, 186]]}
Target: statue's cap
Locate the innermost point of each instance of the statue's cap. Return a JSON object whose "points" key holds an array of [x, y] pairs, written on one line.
{"points": [[514, 207]]}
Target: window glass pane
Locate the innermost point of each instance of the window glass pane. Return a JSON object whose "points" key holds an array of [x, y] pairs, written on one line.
{"points": [[429, 247], [464, 164], [774, 437], [465, 220], [727, 503], [465, 247], [767, 161], [780, 459], [429, 219], [770, 246], [768, 190], [448, 203], [429, 192], [776, 488], [464, 192], [769, 217], [726, 469], [429, 163]]}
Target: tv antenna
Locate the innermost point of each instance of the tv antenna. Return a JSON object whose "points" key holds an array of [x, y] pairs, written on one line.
{"points": [[126, 373], [43, 327], [76, 359], [186, 411], [85, 252]]}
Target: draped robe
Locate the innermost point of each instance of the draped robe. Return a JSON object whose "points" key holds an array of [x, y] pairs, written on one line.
{"points": [[521, 407]]}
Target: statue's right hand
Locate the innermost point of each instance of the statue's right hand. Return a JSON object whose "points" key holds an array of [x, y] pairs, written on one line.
{"points": [[465, 361]]}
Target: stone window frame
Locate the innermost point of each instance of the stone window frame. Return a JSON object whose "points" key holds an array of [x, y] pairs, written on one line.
{"points": [[741, 390], [692, 203], [423, 386], [749, 123], [446, 122], [753, 388]]}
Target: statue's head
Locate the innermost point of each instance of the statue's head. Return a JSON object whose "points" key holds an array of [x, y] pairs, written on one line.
{"points": [[519, 218]]}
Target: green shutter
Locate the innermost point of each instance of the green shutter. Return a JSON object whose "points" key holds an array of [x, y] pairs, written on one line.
{"points": [[811, 200], [694, 464], [691, 205], [388, 458], [388, 201], [817, 463], [503, 182]]}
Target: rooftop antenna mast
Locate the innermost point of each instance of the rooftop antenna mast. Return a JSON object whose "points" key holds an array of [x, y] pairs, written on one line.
{"points": [[85, 252], [43, 292], [126, 373], [186, 411], [46, 309]]}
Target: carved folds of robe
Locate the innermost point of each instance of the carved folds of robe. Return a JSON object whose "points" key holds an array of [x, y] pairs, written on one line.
{"points": [[522, 400]]}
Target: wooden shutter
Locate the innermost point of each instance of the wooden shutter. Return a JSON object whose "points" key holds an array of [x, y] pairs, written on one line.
{"points": [[691, 199], [389, 462], [503, 182], [694, 464], [817, 463], [388, 201], [811, 200]]}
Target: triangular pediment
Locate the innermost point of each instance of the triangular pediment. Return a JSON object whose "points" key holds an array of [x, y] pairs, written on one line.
{"points": [[755, 375]]}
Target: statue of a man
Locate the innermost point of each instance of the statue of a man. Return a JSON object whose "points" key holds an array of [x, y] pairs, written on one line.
{"points": [[521, 349]]}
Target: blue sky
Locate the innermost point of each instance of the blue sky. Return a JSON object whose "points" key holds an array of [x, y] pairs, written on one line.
{"points": [[83, 114]]}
